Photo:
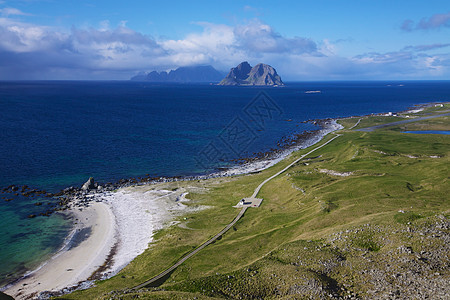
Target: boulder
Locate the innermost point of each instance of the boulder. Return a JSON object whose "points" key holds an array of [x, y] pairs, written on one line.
{"points": [[89, 185], [4, 296]]}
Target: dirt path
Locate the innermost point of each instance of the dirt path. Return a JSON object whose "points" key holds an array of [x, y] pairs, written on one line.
{"points": [[368, 129], [356, 124], [189, 255], [257, 190], [238, 217], [255, 193]]}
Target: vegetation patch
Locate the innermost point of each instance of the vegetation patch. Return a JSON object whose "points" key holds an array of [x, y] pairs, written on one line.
{"points": [[366, 241], [333, 235], [406, 217], [328, 206]]}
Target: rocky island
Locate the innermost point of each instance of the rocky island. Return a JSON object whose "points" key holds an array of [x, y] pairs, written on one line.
{"points": [[244, 74]]}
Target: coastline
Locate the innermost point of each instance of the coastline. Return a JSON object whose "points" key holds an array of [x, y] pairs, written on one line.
{"points": [[107, 236], [108, 249], [65, 270], [141, 207], [257, 165], [111, 212]]}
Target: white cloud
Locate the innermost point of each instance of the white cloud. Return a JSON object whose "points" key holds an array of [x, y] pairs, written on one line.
{"points": [[427, 47], [406, 63], [261, 38], [23, 37], [254, 10], [328, 48], [434, 22], [29, 51], [26, 49], [225, 46], [10, 11], [104, 25]]}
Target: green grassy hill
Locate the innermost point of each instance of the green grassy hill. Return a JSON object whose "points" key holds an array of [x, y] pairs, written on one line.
{"points": [[365, 216]]}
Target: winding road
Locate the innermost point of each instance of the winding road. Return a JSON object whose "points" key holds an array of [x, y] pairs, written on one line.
{"points": [[368, 129], [190, 254], [238, 217], [257, 190]]}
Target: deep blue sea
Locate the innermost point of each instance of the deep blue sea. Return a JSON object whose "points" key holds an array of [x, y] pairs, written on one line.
{"points": [[56, 134]]}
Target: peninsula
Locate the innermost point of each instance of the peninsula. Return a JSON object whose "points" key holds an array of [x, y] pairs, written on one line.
{"points": [[361, 214], [360, 217]]}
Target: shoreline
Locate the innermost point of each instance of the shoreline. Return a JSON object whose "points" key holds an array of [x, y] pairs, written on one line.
{"points": [[121, 224], [115, 202], [257, 165], [64, 270], [106, 237]]}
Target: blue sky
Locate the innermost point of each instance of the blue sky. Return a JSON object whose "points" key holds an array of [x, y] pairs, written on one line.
{"points": [[303, 40]]}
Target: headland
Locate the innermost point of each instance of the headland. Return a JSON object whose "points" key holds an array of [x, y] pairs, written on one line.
{"points": [[315, 199]]}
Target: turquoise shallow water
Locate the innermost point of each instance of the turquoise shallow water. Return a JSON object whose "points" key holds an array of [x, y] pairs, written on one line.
{"points": [[28, 242], [56, 134]]}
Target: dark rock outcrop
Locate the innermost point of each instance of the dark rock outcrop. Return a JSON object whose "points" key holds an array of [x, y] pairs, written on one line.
{"points": [[183, 75], [89, 185], [4, 296], [244, 74]]}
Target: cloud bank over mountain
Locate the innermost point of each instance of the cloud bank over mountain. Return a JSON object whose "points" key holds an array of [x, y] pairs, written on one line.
{"points": [[32, 51]]}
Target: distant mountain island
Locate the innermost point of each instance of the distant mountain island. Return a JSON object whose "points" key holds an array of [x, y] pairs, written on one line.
{"points": [[182, 75], [244, 74]]}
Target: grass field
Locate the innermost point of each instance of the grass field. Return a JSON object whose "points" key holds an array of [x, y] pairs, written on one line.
{"points": [[343, 210]]}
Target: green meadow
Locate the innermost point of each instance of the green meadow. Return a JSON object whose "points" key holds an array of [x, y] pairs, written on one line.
{"points": [[324, 224]]}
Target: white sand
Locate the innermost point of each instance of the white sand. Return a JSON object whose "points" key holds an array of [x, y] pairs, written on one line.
{"points": [[139, 213], [128, 219], [69, 267]]}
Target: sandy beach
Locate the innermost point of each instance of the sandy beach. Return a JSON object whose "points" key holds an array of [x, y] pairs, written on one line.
{"points": [[139, 212], [113, 222], [72, 264]]}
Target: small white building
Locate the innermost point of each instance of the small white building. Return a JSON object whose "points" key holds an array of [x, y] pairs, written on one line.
{"points": [[249, 202]]}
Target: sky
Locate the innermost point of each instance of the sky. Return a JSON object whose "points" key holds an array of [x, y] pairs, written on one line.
{"points": [[304, 39]]}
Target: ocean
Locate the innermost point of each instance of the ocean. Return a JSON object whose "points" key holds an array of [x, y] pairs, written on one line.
{"points": [[56, 134]]}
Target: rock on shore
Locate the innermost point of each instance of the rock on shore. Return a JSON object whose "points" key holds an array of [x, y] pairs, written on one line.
{"points": [[89, 185]]}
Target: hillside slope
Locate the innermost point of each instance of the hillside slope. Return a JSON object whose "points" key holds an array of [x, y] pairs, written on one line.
{"points": [[367, 216]]}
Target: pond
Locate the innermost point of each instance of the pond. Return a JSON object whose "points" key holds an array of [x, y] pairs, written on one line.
{"points": [[428, 132]]}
